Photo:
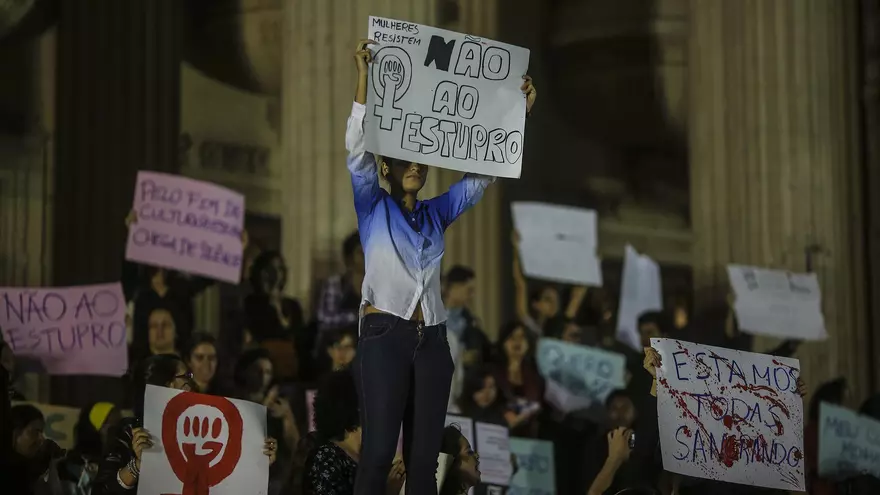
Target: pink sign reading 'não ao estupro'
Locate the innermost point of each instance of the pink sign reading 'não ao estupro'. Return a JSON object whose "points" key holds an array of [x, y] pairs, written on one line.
{"points": [[67, 330], [187, 225]]}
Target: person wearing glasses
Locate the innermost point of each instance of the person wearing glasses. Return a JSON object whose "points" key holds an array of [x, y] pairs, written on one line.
{"points": [[120, 468]]}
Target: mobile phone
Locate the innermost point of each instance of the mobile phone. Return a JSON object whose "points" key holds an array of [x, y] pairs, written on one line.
{"points": [[632, 440]]}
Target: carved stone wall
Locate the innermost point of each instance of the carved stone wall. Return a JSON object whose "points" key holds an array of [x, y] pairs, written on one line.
{"points": [[775, 161]]}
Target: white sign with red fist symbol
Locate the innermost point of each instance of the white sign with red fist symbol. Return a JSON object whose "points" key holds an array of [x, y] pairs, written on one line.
{"points": [[203, 444]]}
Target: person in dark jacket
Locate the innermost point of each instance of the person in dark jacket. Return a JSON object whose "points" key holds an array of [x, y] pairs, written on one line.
{"points": [[458, 294]]}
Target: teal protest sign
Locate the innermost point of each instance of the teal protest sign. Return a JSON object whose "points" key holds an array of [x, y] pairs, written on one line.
{"points": [[849, 444], [536, 469]]}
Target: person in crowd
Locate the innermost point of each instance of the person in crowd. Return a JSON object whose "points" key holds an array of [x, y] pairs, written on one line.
{"points": [[464, 471], [481, 401], [331, 466], [609, 467], [340, 295], [403, 356], [7, 362], [537, 308], [200, 354], [458, 294], [341, 348], [254, 382], [162, 337], [516, 374], [92, 432], [150, 287], [274, 320], [833, 392], [119, 470], [33, 456]]}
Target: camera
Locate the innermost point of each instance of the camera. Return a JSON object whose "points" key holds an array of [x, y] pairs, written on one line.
{"points": [[632, 440]]}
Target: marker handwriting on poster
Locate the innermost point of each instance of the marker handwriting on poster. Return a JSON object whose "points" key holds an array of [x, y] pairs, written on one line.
{"points": [[70, 330], [730, 415], [187, 225], [467, 122]]}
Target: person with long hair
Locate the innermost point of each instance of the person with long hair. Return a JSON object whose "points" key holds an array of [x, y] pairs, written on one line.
{"points": [[481, 401], [517, 376], [200, 354], [119, 470], [464, 471], [331, 465], [403, 368]]}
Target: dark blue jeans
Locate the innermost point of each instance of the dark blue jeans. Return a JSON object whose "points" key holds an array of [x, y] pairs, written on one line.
{"points": [[403, 371]]}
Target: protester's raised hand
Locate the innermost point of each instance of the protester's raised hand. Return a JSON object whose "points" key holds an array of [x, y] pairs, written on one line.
{"points": [[140, 440], [801, 388], [652, 361], [528, 89], [618, 445], [514, 237], [362, 56], [396, 477], [131, 219], [270, 449]]}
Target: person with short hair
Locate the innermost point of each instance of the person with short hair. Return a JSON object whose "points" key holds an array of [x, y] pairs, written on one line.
{"points": [[340, 295]]}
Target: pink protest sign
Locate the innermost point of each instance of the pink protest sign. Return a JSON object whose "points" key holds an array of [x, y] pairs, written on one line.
{"points": [[187, 225], [67, 330]]}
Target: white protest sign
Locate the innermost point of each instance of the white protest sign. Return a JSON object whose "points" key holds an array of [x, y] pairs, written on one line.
{"points": [[537, 473], [187, 225], [777, 303], [201, 443], [849, 443], [494, 449], [730, 415], [640, 291], [558, 243], [445, 99], [584, 372]]}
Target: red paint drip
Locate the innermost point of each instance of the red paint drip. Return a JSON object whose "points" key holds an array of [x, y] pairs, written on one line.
{"points": [[779, 429], [728, 421], [729, 453]]}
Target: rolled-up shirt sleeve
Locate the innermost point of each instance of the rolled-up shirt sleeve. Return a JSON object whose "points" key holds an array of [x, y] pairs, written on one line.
{"points": [[361, 163], [462, 196]]}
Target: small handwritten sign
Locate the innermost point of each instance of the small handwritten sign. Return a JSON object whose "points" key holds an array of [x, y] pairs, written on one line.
{"points": [[585, 372], [187, 225], [446, 99], [777, 303], [492, 444], [67, 330], [730, 415], [849, 443], [536, 474]]}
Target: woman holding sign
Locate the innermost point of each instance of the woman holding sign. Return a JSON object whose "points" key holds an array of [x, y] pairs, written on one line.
{"points": [[403, 368]]}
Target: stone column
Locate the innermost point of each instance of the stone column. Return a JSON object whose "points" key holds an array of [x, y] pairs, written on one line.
{"points": [[317, 92], [776, 178], [118, 99]]}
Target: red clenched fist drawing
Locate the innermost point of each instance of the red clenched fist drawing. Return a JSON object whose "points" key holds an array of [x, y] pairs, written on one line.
{"points": [[202, 439]]}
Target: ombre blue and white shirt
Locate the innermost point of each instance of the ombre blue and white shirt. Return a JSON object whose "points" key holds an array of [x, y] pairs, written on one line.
{"points": [[402, 249]]}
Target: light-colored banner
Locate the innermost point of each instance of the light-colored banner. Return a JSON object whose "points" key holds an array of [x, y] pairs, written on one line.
{"points": [[587, 373], [730, 415], [849, 443], [777, 303], [557, 243], [187, 225], [536, 474], [203, 442], [445, 99], [641, 290], [494, 449], [67, 330]]}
